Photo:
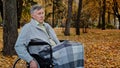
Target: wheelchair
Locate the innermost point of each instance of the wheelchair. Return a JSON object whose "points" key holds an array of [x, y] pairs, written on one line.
{"points": [[46, 57], [44, 63]]}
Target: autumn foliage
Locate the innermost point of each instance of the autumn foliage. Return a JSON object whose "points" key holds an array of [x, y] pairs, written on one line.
{"points": [[101, 48]]}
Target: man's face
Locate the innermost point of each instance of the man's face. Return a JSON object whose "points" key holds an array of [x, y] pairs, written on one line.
{"points": [[39, 15]]}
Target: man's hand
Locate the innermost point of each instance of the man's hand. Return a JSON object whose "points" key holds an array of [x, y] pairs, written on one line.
{"points": [[33, 64]]}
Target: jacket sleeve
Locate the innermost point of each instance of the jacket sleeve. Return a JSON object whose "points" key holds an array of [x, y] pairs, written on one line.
{"points": [[21, 44]]}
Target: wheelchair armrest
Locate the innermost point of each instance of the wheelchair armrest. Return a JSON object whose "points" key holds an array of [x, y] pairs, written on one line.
{"points": [[38, 43], [32, 43], [61, 40]]}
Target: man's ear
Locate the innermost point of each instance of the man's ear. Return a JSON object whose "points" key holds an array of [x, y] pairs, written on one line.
{"points": [[32, 15]]}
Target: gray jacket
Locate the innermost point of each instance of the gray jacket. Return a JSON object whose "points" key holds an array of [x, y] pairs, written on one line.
{"points": [[29, 32]]}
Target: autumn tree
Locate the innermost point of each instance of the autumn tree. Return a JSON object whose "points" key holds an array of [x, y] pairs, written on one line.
{"points": [[22, 5], [53, 24], [88, 14], [78, 18], [100, 13], [116, 11], [19, 11], [10, 26], [108, 11], [67, 26], [103, 14], [1, 8]]}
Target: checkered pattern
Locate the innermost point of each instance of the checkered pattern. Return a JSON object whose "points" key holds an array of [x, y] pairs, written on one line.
{"points": [[68, 54]]}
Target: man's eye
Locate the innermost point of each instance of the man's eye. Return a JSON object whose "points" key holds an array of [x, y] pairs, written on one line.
{"points": [[39, 13], [42, 13]]}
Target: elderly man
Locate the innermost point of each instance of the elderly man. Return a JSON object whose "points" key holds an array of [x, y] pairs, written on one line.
{"points": [[67, 54], [36, 29]]}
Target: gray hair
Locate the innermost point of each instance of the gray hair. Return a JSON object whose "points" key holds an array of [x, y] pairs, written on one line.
{"points": [[35, 7]]}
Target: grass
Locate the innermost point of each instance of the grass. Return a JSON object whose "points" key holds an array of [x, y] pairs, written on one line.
{"points": [[101, 48]]}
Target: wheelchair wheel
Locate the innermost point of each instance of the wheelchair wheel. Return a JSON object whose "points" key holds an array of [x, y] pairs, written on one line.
{"points": [[19, 63]]}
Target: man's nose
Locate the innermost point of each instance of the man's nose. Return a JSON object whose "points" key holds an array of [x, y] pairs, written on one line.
{"points": [[42, 15]]}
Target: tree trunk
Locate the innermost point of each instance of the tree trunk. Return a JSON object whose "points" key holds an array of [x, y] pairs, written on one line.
{"points": [[109, 17], [119, 21], [103, 14], [1, 8], [116, 11], [10, 26], [67, 26], [100, 14], [99, 22], [19, 11], [114, 20], [53, 14], [78, 18]]}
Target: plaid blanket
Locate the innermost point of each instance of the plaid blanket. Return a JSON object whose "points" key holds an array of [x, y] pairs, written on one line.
{"points": [[68, 54]]}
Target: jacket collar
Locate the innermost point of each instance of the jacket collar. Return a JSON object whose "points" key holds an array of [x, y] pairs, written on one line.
{"points": [[34, 23]]}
